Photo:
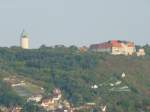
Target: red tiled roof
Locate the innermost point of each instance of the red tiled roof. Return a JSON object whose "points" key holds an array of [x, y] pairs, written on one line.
{"points": [[110, 44], [115, 43]]}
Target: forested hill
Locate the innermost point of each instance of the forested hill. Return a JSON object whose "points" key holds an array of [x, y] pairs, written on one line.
{"points": [[75, 73]]}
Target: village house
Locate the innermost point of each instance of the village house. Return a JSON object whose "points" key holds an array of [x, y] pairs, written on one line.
{"points": [[48, 104], [52, 103], [115, 47], [56, 94], [56, 103], [141, 52], [36, 98]]}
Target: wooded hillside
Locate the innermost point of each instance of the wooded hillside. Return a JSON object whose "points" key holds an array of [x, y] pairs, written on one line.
{"points": [[75, 73]]}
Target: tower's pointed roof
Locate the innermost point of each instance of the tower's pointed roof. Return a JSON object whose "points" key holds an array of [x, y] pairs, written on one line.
{"points": [[24, 34]]}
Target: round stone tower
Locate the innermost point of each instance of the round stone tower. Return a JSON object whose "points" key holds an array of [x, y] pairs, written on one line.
{"points": [[24, 42]]}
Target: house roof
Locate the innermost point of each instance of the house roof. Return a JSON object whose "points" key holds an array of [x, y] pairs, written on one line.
{"points": [[115, 43], [112, 43]]}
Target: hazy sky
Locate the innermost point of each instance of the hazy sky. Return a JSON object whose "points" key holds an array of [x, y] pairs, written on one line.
{"points": [[79, 22]]}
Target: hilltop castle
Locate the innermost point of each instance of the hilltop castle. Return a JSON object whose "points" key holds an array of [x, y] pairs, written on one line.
{"points": [[24, 41], [115, 47]]}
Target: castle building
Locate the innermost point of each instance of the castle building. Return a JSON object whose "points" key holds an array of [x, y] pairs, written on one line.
{"points": [[141, 52], [115, 47], [24, 42]]}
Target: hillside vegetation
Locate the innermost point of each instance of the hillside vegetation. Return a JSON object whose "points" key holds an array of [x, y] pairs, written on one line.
{"points": [[74, 73]]}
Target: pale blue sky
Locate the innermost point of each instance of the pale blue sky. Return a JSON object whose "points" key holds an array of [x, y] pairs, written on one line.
{"points": [[78, 22]]}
